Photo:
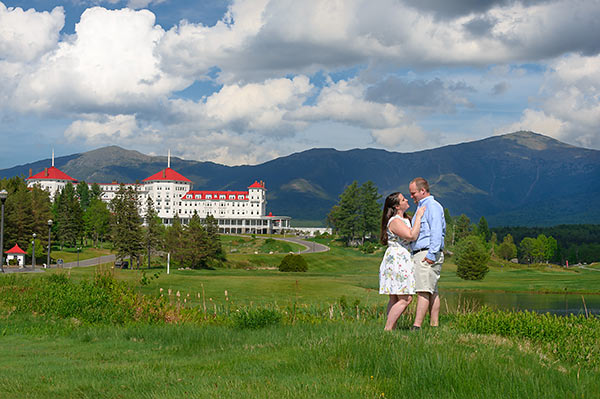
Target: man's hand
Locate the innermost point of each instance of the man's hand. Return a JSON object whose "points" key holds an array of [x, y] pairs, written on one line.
{"points": [[429, 261]]}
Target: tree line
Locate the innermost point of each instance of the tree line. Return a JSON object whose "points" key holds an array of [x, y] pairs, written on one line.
{"points": [[79, 216]]}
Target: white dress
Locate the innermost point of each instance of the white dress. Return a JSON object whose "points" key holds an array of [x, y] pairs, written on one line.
{"points": [[397, 271]]}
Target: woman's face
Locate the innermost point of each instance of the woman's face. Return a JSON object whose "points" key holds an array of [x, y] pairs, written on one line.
{"points": [[403, 204]]}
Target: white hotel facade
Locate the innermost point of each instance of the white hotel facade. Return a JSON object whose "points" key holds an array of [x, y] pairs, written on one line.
{"points": [[237, 212]]}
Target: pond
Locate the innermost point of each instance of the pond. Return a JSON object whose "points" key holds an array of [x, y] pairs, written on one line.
{"points": [[560, 304]]}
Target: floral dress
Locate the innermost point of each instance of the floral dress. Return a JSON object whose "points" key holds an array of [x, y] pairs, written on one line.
{"points": [[397, 271]]}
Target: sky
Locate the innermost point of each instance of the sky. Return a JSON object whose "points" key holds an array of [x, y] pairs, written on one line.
{"points": [[244, 82]]}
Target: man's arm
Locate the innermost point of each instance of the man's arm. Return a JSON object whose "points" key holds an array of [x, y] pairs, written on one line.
{"points": [[435, 230]]}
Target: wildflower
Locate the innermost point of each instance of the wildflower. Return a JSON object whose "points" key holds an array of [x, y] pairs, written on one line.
{"points": [[170, 292], [178, 294], [161, 290]]}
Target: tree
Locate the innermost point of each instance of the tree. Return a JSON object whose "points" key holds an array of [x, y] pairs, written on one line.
{"points": [[83, 192], [126, 224], [196, 248], [527, 249], [483, 229], [97, 220], [174, 236], [95, 191], [507, 250], [18, 217], [462, 227], [471, 258], [357, 214], [215, 249], [69, 216], [154, 231]]}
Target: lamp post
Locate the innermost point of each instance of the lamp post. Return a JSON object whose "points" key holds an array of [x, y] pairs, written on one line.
{"points": [[49, 230], [3, 195], [33, 252]]}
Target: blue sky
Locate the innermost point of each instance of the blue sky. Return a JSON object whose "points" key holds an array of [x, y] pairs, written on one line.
{"points": [[243, 82]]}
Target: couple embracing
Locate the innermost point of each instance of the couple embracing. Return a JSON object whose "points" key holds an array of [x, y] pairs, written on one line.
{"points": [[413, 260]]}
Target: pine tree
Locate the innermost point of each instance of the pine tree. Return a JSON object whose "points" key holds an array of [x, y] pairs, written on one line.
{"points": [[471, 258], [83, 192], [154, 232], [215, 249], [97, 220], [357, 214], [126, 224], [483, 229], [18, 218], [462, 227], [95, 191], [69, 216], [196, 248], [173, 241]]}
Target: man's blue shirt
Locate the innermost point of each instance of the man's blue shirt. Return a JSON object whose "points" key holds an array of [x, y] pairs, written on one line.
{"points": [[433, 228]]}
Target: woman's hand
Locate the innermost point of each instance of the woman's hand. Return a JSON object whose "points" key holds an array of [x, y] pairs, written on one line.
{"points": [[420, 211]]}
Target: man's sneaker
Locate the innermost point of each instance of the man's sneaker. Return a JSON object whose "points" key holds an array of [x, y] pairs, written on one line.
{"points": [[415, 328]]}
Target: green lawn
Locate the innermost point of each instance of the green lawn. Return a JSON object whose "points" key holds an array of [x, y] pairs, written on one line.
{"points": [[328, 360]]}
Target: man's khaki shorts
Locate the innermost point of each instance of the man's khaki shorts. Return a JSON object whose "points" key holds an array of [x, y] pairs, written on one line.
{"points": [[426, 275]]}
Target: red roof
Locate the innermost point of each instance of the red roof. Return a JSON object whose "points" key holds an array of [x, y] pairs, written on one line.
{"points": [[257, 184], [16, 250], [52, 173], [215, 195], [167, 174]]}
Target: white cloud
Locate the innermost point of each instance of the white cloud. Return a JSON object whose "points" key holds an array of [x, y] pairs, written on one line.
{"points": [[26, 35], [108, 65], [569, 101]]}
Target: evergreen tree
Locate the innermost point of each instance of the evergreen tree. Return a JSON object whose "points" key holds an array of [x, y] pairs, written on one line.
{"points": [[154, 232], [174, 236], [449, 227], [126, 225], [196, 248], [370, 210], [215, 249], [483, 229], [83, 192], [462, 227], [69, 216], [18, 217], [354, 217], [95, 191], [97, 220], [471, 258], [527, 249]]}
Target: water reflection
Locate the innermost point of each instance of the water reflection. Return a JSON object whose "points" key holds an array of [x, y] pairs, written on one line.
{"points": [[560, 304]]}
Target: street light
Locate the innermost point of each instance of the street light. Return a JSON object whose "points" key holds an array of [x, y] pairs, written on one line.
{"points": [[3, 195], [33, 252], [49, 229]]}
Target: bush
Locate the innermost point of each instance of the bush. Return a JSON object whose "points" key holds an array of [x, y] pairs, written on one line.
{"points": [[471, 258], [255, 318], [293, 263], [368, 247]]}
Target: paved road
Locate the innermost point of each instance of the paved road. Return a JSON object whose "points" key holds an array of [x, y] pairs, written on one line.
{"points": [[311, 247], [68, 265]]}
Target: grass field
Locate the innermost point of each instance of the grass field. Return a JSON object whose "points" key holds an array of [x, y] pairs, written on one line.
{"points": [[330, 352]]}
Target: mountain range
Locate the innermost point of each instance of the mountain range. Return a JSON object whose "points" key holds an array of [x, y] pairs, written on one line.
{"points": [[522, 178]]}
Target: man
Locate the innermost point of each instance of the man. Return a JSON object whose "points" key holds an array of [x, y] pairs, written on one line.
{"points": [[428, 253]]}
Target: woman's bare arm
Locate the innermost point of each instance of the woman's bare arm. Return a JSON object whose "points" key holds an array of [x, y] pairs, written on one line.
{"points": [[403, 231]]}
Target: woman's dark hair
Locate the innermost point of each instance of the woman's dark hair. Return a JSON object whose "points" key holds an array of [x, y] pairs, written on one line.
{"points": [[389, 210]]}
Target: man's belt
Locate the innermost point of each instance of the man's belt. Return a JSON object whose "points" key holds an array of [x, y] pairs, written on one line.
{"points": [[420, 250]]}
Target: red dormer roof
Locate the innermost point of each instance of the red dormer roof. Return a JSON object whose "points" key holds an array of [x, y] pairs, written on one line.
{"points": [[201, 195], [256, 184], [167, 174], [16, 250], [52, 173]]}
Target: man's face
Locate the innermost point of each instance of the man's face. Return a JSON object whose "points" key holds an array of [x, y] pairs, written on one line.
{"points": [[416, 194]]}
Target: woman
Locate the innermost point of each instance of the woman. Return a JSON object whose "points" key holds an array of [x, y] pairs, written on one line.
{"points": [[396, 273]]}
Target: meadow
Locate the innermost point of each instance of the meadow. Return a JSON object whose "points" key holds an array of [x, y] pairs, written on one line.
{"points": [[247, 330]]}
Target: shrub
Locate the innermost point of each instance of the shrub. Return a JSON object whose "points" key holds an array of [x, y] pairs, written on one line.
{"points": [[293, 263], [368, 247], [471, 259], [255, 318]]}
